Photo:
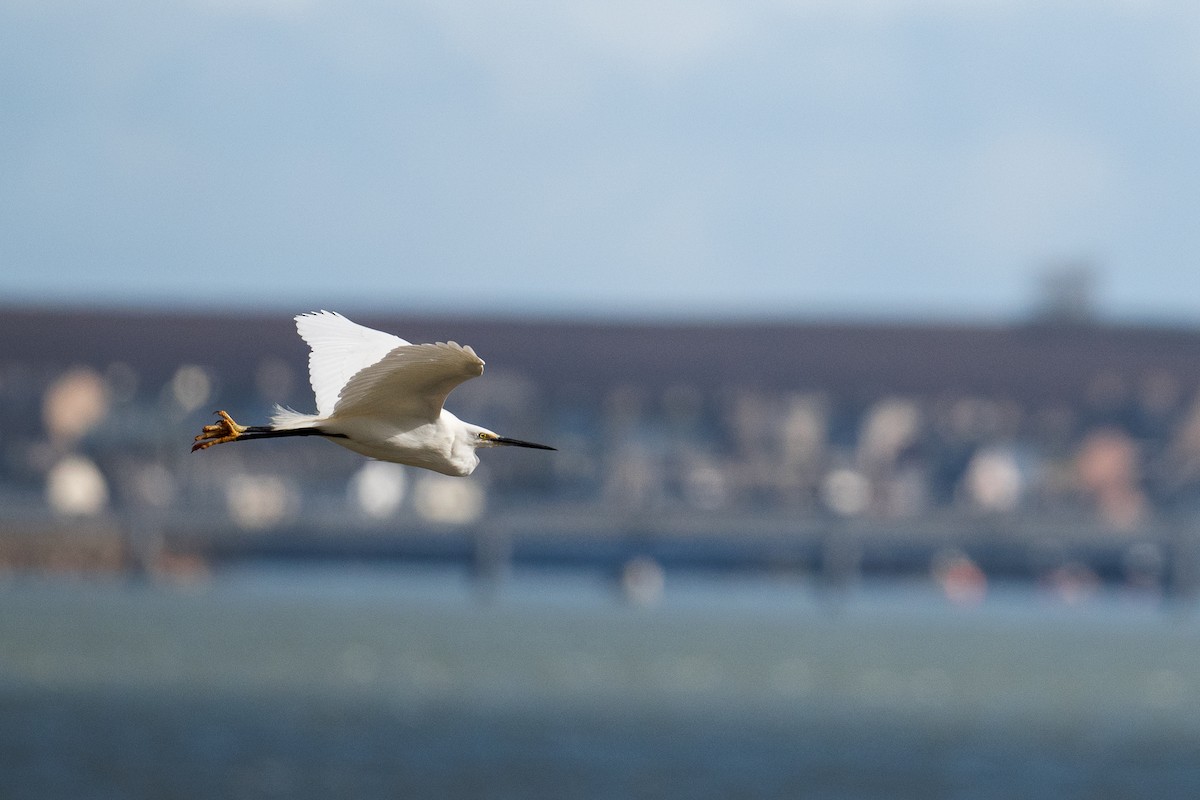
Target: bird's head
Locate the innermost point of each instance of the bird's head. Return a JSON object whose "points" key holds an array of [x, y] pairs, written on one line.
{"points": [[482, 437]]}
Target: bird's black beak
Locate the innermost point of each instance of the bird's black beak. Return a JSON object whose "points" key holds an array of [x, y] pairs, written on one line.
{"points": [[519, 443]]}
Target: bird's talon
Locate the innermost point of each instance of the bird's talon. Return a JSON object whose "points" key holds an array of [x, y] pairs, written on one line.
{"points": [[226, 430]]}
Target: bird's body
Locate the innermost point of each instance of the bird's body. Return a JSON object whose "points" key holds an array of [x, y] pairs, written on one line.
{"points": [[444, 445], [379, 396]]}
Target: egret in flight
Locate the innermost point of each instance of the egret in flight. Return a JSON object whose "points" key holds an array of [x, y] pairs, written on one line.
{"points": [[380, 396]]}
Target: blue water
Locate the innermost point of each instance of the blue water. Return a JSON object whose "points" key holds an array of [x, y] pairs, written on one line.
{"points": [[389, 683]]}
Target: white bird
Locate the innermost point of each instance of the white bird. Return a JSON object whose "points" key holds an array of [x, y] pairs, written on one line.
{"points": [[380, 396]]}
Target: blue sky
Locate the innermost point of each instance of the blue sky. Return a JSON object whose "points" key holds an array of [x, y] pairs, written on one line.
{"points": [[899, 158]]}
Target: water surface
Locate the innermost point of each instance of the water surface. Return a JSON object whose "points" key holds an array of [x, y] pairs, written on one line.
{"points": [[362, 682]]}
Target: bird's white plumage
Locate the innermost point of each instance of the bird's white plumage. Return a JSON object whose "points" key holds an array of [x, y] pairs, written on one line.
{"points": [[340, 349], [410, 382], [381, 396]]}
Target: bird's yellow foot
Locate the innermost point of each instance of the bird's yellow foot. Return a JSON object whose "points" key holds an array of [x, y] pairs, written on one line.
{"points": [[224, 430]]}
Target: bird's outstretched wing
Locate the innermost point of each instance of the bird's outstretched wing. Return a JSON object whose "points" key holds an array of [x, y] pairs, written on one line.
{"points": [[410, 382], [340, 349]]}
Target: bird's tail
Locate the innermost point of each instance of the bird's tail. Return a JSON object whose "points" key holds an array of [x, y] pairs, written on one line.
{"points": [[285, 419]]}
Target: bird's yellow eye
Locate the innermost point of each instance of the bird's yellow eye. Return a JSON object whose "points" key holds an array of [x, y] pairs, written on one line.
{"points": [[484, 436]]}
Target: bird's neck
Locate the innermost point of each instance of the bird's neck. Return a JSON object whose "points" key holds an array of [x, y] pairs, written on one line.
{"points": [[462, 457]]}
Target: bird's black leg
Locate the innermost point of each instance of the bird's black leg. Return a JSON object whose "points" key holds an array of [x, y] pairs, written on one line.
{"points": [[226, 430]]}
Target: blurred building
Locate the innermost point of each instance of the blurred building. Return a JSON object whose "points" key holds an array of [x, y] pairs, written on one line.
{"points": [[1059, 418]]}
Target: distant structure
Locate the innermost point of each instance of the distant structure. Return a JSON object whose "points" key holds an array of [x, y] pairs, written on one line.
{"points": [[1067, 293], [801, 420]]}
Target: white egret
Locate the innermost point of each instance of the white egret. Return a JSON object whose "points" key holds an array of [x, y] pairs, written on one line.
{"points": [[380, 396]]}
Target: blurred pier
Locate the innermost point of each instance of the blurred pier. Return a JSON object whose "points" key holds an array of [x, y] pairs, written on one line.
{"points": [[964, 560]]}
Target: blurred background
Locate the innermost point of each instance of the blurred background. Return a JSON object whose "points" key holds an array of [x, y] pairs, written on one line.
{"points": [[866, 331]]}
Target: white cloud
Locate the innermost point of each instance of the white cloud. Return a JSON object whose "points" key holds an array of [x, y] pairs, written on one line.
{"points": [[665, 37]]}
